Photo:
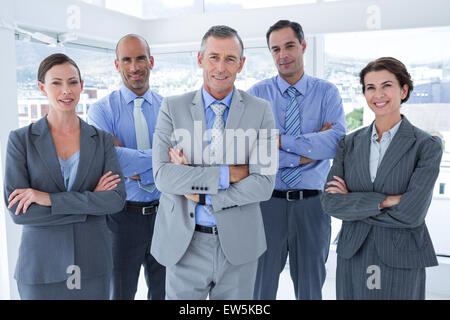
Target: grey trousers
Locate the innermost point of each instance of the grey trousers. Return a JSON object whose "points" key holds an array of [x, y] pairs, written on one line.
{"points": [[91, 289], [204, 270], [356, 278], [301, 229]]}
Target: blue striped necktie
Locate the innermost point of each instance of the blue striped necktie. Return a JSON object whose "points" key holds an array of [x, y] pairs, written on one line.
{"points": [[292, 176]]}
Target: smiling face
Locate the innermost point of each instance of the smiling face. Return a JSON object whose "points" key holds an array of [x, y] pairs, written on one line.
{"points": [[134, 64], [62, 86], [287, 53], [383, 93], [221, 63]]}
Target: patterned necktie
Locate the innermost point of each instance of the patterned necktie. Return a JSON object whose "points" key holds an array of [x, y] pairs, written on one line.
{"points": [[217, 130], [142, 136], [216, 145], [292, 176]]}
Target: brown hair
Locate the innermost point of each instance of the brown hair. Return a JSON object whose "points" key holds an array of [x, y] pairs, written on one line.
{"points": [[281, 24], [53, 60], [392, 65]]}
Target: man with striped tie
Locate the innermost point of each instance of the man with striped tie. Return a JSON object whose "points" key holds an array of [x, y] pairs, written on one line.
{"points": [[309, 114]]}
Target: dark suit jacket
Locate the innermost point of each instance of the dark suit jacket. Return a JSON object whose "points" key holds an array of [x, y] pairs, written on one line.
{"points": [[410, 167], [72, 231]]}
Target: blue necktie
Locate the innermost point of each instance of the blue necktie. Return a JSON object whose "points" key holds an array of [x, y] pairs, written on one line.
{"points": [[292, 176]]}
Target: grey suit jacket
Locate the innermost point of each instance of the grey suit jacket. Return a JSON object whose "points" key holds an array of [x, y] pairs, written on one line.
{"points": [[72, 231], [410, 167], [236, 209]]}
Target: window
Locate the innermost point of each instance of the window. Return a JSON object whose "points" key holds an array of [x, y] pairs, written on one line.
{"points": [[97, 71], [227, 5], [177, 73]]}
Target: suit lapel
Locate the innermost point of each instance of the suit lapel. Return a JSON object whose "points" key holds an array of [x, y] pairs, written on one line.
{"points": [[236, 111], [362, 148], [43, 141], [400, 144], [88, 147], [198, 115]]}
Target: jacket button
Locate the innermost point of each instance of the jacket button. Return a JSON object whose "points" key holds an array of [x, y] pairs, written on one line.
{"points": [[193, 188], [191, 214]]}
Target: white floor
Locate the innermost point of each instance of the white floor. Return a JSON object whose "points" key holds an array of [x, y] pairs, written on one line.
{"points": [[286, 289]]}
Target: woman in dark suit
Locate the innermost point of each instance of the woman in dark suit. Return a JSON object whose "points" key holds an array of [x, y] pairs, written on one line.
{"points": [[380, 186], [62, 178]]}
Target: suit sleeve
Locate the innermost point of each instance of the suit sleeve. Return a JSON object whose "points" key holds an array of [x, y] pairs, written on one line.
{"points": [[258, 186], [17, 177], [353, 205], [414, 204], [173, 178]]}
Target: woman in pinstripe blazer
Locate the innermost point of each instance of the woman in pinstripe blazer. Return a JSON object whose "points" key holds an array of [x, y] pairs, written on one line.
{"points": [[381, 185]]}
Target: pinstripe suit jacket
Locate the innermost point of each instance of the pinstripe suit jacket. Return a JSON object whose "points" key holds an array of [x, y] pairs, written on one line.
{"points": [[410, 167]]}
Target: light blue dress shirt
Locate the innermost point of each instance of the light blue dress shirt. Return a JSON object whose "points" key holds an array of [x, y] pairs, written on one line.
{"points": [[319, 102], [114, 114], [202, 217], [69, 169], [378, 149]]}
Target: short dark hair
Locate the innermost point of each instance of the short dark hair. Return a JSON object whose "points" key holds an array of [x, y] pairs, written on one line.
{"points": [[281, 24], [135, 36], [222, 32], [54, 60], [392, 65]]}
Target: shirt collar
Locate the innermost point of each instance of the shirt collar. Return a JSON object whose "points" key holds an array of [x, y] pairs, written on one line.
{"points": [[208, 99], [388, 134], [129, 95], [301, 85]]}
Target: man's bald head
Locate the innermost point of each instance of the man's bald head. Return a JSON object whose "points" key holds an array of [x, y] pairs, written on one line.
{"points": [[134, 62], [132, 36]]}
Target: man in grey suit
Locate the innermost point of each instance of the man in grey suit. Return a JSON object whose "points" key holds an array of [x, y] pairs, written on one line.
{"points": [[209, 231]]}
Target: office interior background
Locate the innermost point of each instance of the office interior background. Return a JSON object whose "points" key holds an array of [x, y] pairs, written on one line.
{"points": [[342, 36]]}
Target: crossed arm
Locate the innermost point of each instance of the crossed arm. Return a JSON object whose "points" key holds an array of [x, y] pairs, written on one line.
{"points": [[26, 197], [29, 205], [247, 182], [303, 159], [237, 173], [406, 210]]}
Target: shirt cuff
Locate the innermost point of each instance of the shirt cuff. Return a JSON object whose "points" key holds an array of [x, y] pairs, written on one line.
{"points": [[147, 177], [208, 200], [288, 160], [224, 177]]}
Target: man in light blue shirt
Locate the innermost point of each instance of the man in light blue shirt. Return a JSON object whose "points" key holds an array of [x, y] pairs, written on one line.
{"points": [[130, 115], [309, 114]]}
